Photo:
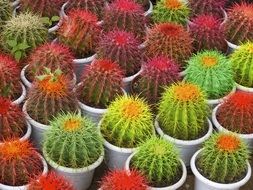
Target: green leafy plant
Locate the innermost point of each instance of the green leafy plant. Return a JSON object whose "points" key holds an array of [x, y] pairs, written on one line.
{"points": [[127, 122], [72, 141], [183, 111], [5, 11], [49, 21], [18, 49]]}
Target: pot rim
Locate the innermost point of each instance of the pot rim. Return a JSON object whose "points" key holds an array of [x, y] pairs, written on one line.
{"points": [[243, 88], [22, 97], [219, 100], [131, 78]]}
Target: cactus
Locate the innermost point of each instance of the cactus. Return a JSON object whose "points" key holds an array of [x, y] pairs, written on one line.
{"points": [[157, 73], [5, 11], [53, 56], [127, 122], [236, 113], [169, 39], [171, 11], [72, 141], [208, 33], [224, 158], [158, 160], [125, 15], [19, 163], [80, 32], [242, 64], [183, 111], [101, 83], [121, 47], [51, 94], [143, 3], [212, 72], [12, 120], [123, 180], [239, 24]]}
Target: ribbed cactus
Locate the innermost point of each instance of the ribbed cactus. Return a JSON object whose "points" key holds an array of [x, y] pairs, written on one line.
{"points": [[242, 64], [171, 11], [5, 11], [158, 160], [101, 83], [125, 15], [51, 94], [212, 72], [239, 24], [236, 113], [170, 40], [51, 181], [224, 158], [72, 141], [183, 111], [208, 33], [19, 163], [53, 56], [157, 73], [121, 47], [123, 180], [127, 122], [80, 32]]}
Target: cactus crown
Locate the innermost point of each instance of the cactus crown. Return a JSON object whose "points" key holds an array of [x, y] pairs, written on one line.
{"points": [[159, 170], [127, 122], [230, 154]]}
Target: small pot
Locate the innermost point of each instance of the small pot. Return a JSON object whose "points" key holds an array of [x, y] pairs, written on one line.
{"points": [[22, 97], [150, 9], [231, 47], [202, 183], [248, 138], [81, 178], [14, 4], [128, 81], [186, 147], [172, 187], [244, 88]]}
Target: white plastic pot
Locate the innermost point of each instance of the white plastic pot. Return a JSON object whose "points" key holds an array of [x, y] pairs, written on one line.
{"points": [[81, 178], [127, 81], [202, 183], [243, 88], [231, 47], [248, 138], [150, 9], [186, 147], [15, 3], [22, 97], [172, 187]]}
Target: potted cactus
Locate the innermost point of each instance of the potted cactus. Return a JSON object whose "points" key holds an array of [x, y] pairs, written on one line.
{"points": [[222, 163], [101, 84], [182, 118], [126, 124], [171, 11], [5, 12], [158, 160], [212, 72], [147, 6], [50, 55], [73, 148], [123, 48], [20, 163]]}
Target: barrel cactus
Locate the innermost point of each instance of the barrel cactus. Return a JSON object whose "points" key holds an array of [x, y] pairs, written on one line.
{"points": [[5, 11]]}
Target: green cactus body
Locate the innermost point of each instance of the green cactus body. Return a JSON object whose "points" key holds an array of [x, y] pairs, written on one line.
{"points": [[72, 141], [183, 111], [5, 11], [212, 72], [171, 11], [127, 122], [223, 158]]}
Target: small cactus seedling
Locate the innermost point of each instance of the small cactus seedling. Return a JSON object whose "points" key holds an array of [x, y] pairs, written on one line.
{"points": [[127, 122], [224, 158], [212, 72], [183, 111], [5, 11]]}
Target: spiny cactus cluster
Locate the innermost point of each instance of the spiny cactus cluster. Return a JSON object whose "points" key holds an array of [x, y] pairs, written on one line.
{"points": [[183, 111], [80, 32], [101, 83], [127, 122], [212, 72], [121, 47], [162, 165], [72, 141], [5, 11], [19, 163], [171, 11], [50, 95], [208, 33], [224, 158]]}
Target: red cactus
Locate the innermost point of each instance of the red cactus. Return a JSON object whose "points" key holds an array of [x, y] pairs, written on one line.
{"points": [[19, 163], [236, 113], [123, 180], [207, 33], [121, 47], [125, 15]]}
